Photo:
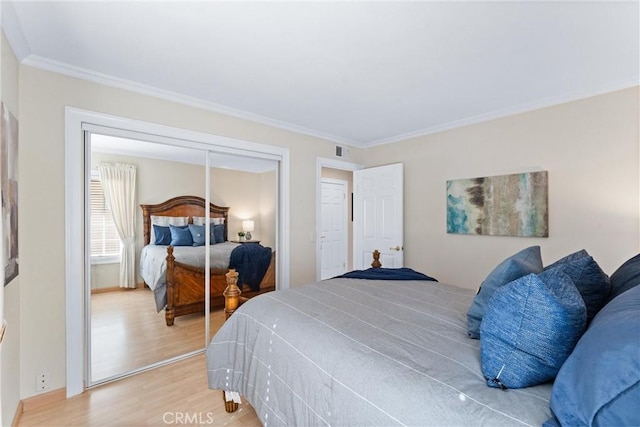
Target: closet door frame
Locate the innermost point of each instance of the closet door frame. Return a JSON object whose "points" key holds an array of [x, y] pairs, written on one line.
{"points": [[77, 121]]}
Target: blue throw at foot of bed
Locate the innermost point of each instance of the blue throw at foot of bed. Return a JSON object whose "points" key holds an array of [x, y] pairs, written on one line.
{"points": [[251, 262], [386, 274]]}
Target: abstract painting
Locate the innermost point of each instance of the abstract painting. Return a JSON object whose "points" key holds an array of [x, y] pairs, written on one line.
{"points": [[9, 187], [504, 205]]}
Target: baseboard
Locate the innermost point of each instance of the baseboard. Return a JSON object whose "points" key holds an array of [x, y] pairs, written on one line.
{"points": [[39, 400], [18, 415], [114, 289]]}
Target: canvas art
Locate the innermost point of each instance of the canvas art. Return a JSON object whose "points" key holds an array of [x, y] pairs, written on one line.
{"points": [[9, 173], [505, 205]]}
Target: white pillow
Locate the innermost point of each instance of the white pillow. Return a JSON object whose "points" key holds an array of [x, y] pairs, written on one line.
{"points": [[200, 220], [165, 221]]}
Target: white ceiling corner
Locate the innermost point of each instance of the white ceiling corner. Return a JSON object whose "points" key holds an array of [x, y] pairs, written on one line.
{"points": [[355, 73]]}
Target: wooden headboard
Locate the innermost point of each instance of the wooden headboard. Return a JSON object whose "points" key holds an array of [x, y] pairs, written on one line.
{"points": [[181, 206]]}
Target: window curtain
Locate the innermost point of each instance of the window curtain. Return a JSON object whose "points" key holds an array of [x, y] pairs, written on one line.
{"points": [[119, 187]]}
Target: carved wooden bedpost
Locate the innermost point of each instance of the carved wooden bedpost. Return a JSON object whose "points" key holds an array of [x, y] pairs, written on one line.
{"points": [[169, 315], [376, 259], [232, 299]]}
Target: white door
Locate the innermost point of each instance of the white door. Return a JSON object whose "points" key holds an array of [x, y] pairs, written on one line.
{"points": [[378, 216], [333, 227]]}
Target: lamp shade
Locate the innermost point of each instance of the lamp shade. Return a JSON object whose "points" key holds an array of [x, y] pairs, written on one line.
{"points": [[247, 225]]}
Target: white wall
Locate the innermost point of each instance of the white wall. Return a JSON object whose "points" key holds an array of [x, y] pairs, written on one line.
{"points": [[10, 373], [590, 149], [43, 97]]}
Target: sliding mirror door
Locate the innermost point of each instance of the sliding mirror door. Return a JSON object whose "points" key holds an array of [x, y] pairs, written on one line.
{"points": [[128, 328], [249, 188]]}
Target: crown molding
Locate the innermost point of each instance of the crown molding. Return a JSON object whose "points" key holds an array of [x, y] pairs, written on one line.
{"points": [[13, 31], [108, 80], [523, 108]]}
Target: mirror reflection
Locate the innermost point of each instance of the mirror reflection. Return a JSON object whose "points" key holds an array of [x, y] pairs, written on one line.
{"points": [[147, 301]]}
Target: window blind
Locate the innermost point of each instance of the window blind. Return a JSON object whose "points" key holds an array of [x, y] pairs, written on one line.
{"points": [[104, 236]]}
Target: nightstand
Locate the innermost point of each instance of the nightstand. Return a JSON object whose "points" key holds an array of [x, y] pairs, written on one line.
{"points": [[242, 242]]}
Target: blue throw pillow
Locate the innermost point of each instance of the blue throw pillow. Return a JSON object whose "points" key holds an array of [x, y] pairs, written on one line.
{"points": [[198, 234], [592, 283], [530, 328], [180, 236], [162, 235], [218, 233], [627, 276], [599, 384], [520, 264]]}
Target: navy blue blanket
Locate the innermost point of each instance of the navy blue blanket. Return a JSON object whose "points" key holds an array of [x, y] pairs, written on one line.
{"points": [[386, 274], [251, 261]]}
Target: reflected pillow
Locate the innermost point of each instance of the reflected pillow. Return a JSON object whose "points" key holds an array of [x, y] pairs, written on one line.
{"points": [[180, 236], [165, 221], [162, 235], [520, 264], [197, 234], [530, 328], [200, 220], [218, 234]]}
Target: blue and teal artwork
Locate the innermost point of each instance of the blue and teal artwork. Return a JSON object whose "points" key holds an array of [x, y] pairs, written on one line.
{"points": [[504, 205]]}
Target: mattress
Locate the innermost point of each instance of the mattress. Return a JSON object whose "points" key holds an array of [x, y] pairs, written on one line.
{"points": [[364, 352]]}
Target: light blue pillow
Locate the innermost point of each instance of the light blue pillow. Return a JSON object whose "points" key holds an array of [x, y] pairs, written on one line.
{"points": [[592, 283], [162, 235], [599, 384], [180, 236], [198, 234], [520, 264], [530, 328]]}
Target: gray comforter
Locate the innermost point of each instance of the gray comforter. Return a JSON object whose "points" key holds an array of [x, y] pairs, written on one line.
{"points": [[153, 264], [364, 352]]}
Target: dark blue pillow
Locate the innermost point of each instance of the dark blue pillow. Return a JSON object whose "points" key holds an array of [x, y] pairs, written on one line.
{"points": [[198, 234], [530, 328], [218, 233], [520, 264], [162, 235], [625, 277], [599, 384], [592, 283], [180, 236]]}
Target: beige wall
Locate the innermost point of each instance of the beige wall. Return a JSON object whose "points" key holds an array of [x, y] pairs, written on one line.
{"points": [[590, 149], [10, 374], [43, 97]]}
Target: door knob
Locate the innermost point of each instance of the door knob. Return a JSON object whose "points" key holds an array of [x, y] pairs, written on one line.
{"points": [[395, 248]]}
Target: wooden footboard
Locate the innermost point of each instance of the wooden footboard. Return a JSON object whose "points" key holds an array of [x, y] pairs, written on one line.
{"points": [[185, 290]]}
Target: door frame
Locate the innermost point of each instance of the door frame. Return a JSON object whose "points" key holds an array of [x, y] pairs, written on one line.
{"points": [[324, 162], [76, 121], [345, 213]]}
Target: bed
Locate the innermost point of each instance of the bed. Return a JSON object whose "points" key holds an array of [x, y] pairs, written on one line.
{"points": [[176, 274], [398, 352]]}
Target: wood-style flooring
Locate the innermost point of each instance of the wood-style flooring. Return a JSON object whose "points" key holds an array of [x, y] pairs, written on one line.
{"points": [[175, 394], [128, 333]]}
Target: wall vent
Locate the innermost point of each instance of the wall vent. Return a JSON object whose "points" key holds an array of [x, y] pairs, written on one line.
{"points": [[342, 151]]}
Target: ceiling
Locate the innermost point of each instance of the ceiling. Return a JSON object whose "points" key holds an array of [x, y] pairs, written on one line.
{"points": [[356, 73]]}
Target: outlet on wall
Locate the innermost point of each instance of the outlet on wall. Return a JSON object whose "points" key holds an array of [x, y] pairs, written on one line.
{"points": [[42, 382]]}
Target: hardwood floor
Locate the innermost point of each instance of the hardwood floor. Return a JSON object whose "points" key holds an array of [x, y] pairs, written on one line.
{"points": [[176, 394], [127, 332]]}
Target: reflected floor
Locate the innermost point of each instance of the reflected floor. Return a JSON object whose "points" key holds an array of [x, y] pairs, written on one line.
{"points": [[127, 332]]}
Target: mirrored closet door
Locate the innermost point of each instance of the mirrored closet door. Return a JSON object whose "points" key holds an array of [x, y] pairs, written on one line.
{"points": [[128, 328]]}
